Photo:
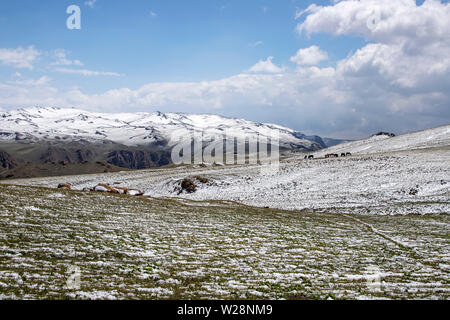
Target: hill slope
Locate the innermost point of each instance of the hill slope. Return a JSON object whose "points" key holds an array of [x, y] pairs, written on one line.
{"points": [[430, 138], [404, 182]]}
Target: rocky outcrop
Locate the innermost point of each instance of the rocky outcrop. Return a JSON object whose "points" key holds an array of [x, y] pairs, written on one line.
{"points": [[6, 161], [56, 155], [66, 156], [382, 133], [138, 159], [84, 155]]}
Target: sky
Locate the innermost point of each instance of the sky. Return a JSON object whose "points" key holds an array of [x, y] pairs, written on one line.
{"points": [[342, 69]]}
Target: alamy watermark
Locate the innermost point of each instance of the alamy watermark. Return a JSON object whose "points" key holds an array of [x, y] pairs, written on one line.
{"points": [[74, 279], [74, 20], [373, 278], [198, 147], [374, 19]]}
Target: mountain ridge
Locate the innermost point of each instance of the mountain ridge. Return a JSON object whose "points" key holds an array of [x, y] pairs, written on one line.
{"points": [[57, 140], [133, 129]]}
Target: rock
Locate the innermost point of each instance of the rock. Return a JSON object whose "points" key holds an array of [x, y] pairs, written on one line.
{"points": [[201, 179], [188, 185], [65, 186], [105, 188], [117, 190], [134, 192], [121, 190]]}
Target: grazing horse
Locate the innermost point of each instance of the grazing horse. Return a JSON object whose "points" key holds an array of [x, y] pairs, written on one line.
{"points": [[331, 155]]}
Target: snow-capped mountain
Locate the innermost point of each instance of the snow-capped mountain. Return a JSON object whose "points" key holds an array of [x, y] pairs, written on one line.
{"points": [[136, 129]]}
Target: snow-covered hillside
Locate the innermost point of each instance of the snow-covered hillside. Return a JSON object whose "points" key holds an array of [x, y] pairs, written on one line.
{"points": [[408, 181], [133, 129], [436, 137]]}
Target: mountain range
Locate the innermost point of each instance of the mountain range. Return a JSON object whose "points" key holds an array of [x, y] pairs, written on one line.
{"points": [[54, 141]]}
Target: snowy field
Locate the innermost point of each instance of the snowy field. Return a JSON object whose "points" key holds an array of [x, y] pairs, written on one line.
{"points": [[125, 247], [372, 225], [405, 182]]}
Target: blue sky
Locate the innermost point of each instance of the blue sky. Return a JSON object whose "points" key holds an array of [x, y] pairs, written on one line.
{"points": [[127, 45], [163, 40]]}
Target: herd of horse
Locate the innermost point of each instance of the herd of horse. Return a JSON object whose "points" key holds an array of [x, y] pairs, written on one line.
{"points": [[330, 155]]}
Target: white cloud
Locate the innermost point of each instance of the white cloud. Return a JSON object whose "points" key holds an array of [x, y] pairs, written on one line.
{"points": [[90, 3], [312, 98], [312, 8], [42, 81], [265, 66], [255, 44], [309, 56], [153, 14], [85, 72], [405, 70], [382, 21], [61, 59], [20, 57], [411, 43]]}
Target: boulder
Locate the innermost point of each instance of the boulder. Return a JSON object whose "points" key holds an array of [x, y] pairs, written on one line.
{"points": [[121, 190], [188, 185], [201, 179], [134, 192], [65, 186], [105, 188]]}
